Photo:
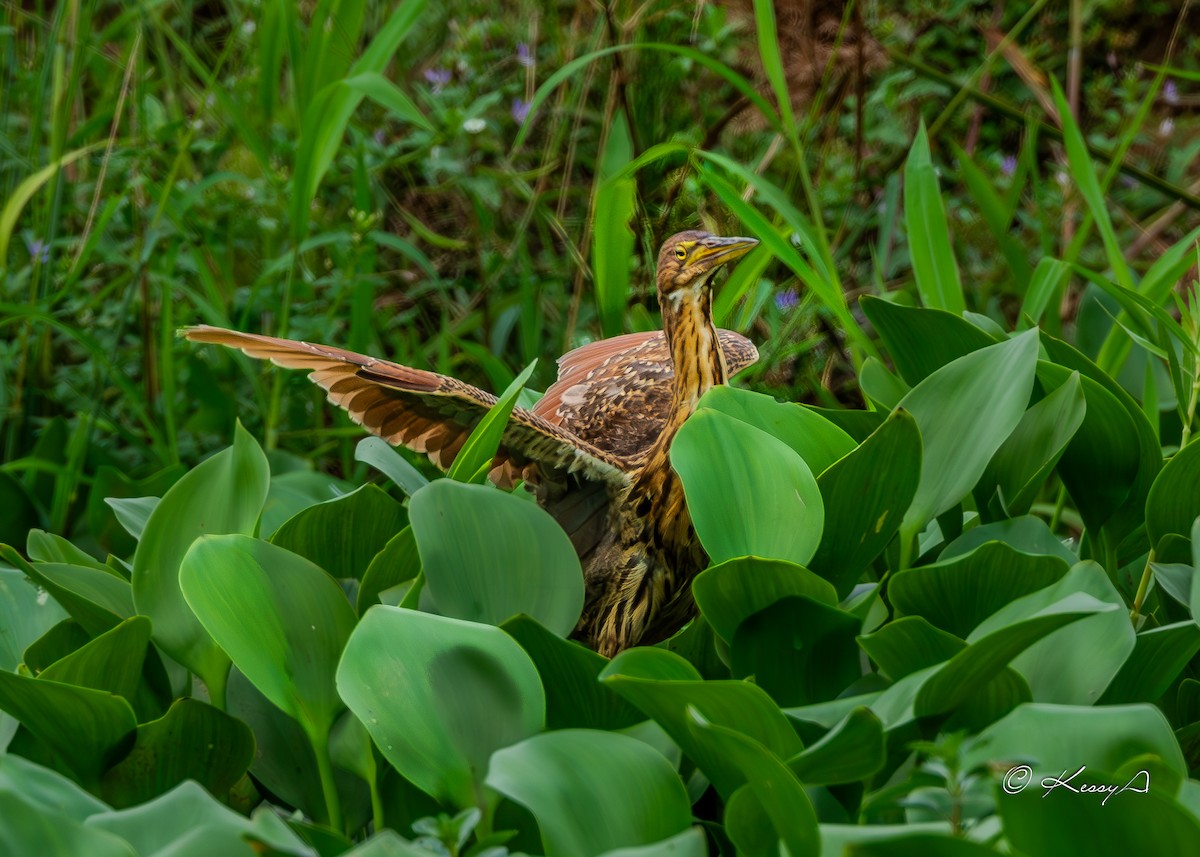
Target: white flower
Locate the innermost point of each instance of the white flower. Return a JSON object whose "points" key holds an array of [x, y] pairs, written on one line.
{"points": [[474, 126]]}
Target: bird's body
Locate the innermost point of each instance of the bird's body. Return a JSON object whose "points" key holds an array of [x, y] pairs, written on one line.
{"points": [[594, 449]]}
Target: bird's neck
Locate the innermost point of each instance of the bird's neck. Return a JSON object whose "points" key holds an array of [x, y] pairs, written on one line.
{"points": [[695, 350]]}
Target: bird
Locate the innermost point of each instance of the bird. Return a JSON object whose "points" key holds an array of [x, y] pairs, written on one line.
{"points": [[594, 449]]}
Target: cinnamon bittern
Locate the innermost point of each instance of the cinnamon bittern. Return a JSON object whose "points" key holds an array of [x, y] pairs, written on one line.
{"points": [[595, 447]]}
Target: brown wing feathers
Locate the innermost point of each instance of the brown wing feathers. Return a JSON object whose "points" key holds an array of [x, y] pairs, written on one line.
{"points": [[424, 411]]}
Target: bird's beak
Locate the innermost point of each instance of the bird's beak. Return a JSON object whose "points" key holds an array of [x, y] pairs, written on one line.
{"points": [[714, 252]]}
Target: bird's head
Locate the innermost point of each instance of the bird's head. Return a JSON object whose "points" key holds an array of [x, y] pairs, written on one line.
{"points": [[689, 259]]}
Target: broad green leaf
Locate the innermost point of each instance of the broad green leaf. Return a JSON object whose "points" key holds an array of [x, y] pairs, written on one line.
{"points": [[736, 704], [728, 464], [396, 563], [1075, 664], [45, 789], [87, 730], [980, 397], [224, 494], [838, 840], [192, 741], [798, 650], [934, 266], [32, 829], [575, 698], [488, 555], [632, 794], [730, 592], [690, 843], [154, 827], [280, 618], [921, 845], [68, 636], [1194, 600], [1026, 534], [97, 600], [818, 441], [1053, 738], [26, 613], [41, 546], [377, 453], [1063, 822], [911, 643], [343, 535], [387, 843], [866, 495], [1159, 656], [294, 491], [1022, 464], [922, 340], [111, 662], [959, 593], [467, 690], [852, 750], [480, 448], [880, 386], [775, 789], [1174, 500]]}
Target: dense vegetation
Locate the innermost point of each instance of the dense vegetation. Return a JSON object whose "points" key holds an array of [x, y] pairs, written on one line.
{"points": [[969, 561]]}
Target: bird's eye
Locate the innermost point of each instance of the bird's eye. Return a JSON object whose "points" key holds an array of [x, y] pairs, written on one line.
{"points": [[680, 253]]}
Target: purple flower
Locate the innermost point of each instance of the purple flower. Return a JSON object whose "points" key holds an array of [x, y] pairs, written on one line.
{"points": [[1008, 164], [520, 110], [379, 137], [1171, 93], [524, 57], [39, 251], [787, 300], [437, 77]]}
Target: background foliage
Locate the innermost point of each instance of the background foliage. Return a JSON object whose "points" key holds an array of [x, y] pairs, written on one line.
{"points": [[468, 189]]}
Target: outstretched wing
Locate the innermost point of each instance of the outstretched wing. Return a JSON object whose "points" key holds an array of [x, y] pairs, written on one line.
{"points": [[616, 393], [427, 412]]}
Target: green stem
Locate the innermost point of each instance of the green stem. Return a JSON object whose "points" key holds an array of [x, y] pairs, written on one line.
{"points": [[333, 806], [1143, 588], [376, 803]]}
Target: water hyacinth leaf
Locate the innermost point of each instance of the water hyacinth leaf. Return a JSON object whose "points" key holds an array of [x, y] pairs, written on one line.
{"points": [[41, 546], [934, 267], [397, 562], [343, 535], [866, 495], [883, 388], [46, 789], [844, 838], [1174, 500], [294, 491], [1075, 664], [818, 441], [959, 593], [1195, 592], [690, 843], [192, 741], [730, 592], [1053, 738], [31, 829], [110, 662], [910, 643], [1129, 823], [280, 618], [224, 494], [132, 513], [774, 787], [386, 843], [379, 454], [1026, 534], [480, 447], [468, 690], [737, 704], [981, 396], [633, 795], [488, 555], [574, 696], [920, 845], [97, 600], [725, 463], [87, 730], [921, 340], [1159, 656], [798, 650], [68, 636], [852, 750], [25, 614], [153, 827], [1023, 462]]}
